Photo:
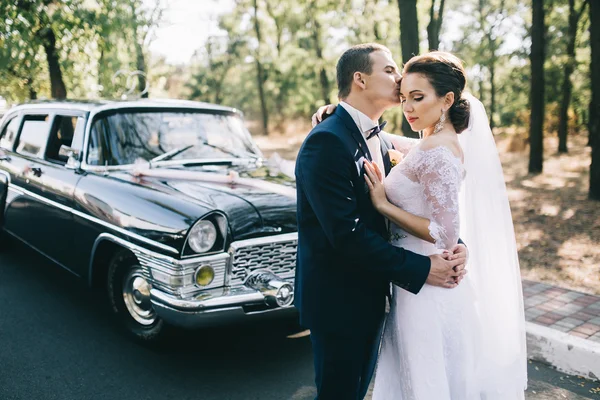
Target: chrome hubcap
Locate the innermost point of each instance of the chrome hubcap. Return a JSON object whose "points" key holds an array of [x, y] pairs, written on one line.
{"points": [[136, 294]]}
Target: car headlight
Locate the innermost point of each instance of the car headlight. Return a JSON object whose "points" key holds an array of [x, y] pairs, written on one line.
{"points": [[202, 236]]}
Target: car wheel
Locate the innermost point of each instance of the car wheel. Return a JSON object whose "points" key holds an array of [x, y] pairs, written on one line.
{"points": [[129, 296]]}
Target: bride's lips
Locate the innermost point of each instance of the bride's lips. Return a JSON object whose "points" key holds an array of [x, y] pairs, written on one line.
{"points": [[411, 119]]}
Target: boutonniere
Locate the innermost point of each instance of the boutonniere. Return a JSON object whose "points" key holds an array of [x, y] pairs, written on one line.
{"points": [[395, 157]]}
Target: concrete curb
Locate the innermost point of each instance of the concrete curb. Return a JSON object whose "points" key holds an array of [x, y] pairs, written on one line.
{"points": [[569, 354]]}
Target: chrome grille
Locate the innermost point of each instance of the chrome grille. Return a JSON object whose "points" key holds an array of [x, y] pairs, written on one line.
{"points": [[275, 253]]}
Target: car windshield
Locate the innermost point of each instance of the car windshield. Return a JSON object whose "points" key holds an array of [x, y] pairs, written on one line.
{"points": [[130, 137]]}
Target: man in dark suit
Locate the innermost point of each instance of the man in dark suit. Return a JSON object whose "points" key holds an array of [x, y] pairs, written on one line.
{"points": [[345, 263]]}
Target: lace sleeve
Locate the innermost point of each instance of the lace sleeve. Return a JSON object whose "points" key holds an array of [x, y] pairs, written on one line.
{"points": [[401, 143], [440, 175]]}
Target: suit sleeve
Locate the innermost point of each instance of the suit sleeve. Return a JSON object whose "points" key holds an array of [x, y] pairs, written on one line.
{"points": [[325, 173]]}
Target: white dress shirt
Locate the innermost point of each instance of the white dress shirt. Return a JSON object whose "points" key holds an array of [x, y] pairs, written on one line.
{"points": [[366, 125]]}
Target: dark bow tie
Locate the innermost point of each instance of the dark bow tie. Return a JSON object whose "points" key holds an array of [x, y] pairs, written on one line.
{"points": [[375, 131]]}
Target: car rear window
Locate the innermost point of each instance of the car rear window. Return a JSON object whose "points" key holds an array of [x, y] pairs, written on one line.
{"points": [[34, 135], [7, 139]]}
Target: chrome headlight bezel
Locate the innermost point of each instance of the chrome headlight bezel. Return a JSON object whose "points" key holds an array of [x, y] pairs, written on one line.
{"points": [[216, 221], [202, 236]]}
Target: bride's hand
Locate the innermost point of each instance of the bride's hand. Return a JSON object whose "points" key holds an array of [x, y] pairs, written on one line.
{"points": [[322, 113], [374, 179]]}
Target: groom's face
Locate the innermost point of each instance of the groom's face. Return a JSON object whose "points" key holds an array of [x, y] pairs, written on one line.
{"points": [[382, 86]]}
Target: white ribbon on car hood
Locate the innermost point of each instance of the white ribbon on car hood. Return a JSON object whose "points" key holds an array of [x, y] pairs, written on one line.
{"points": [[233, 178]]}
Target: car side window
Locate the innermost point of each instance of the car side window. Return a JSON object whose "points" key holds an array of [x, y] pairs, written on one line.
{"points": [[9, 134], [63, 131], [97, 146], [34, 135]]}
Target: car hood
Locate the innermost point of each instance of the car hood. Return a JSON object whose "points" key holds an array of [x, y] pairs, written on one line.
{"points": [[257, 201]]}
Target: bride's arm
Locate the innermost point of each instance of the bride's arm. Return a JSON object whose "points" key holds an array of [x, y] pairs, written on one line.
{"points": [[413, 224]]}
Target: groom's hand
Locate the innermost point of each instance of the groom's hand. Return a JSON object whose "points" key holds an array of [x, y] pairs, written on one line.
{"points": [[442, 272]]}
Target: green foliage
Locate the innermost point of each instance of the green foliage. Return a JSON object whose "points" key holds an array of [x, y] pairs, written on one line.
{"points": [[94, 39], [298, 44]]}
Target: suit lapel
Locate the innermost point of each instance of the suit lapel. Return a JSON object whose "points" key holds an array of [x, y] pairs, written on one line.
{"points": [[385, 146], [355, 132]]}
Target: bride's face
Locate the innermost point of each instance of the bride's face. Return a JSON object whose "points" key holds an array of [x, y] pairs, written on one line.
{"points": [[420, 103]]}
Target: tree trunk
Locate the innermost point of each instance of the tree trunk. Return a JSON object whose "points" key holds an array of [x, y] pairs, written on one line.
{"points": [[409, 40], [58, 89], [140, 61], [594, 123], [140, 64], [536, 129], [563, 123], [324, 80], [435, 25], [260, 74], [219, 88], [31, 89]]}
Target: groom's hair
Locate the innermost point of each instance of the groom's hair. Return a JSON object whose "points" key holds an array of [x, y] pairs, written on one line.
{"points": [[355, 59]]}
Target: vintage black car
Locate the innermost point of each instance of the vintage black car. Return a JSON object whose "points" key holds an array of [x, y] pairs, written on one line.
{"points": [[167, 206]]}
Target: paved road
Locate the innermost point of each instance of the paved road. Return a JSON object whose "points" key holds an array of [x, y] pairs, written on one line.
{"points": [[57, 341]]}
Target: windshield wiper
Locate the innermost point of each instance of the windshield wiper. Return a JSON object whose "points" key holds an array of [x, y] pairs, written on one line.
{"points": [[227, 151], [170, 154]]}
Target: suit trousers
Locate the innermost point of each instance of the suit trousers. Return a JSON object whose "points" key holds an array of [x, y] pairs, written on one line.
{"points": [[345, 362]]}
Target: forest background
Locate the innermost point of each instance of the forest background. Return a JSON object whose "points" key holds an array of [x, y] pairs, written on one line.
{"points": [[534, 64]]}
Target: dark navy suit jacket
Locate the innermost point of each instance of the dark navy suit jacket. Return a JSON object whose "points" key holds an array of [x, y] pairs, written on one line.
{"points": [[345, 263]]}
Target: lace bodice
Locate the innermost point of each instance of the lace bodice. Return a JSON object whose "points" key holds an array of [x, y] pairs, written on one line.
{"points": [[426, 183]]}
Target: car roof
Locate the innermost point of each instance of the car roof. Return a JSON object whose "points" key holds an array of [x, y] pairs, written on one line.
{"points": [[102, 105]]}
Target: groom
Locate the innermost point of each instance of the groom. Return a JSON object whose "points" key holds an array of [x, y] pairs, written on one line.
{"points": [[345, 263]]}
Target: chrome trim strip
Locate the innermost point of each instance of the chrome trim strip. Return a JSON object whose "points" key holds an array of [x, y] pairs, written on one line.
{"points": [[160, 258], [241, 298], [150, 242], [264, 240]]}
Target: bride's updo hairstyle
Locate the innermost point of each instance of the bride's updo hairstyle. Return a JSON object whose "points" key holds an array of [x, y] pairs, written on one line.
{"points": [[445, 73]]}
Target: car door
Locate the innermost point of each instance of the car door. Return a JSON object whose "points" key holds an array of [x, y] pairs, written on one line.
{"points": [[42, 216]]}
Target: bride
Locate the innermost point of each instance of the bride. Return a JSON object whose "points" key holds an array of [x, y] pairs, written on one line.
{"points": [[467, 343]]}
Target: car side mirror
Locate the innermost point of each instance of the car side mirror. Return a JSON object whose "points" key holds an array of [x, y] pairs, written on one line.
{"points": [[4, 156], [72, 156]]}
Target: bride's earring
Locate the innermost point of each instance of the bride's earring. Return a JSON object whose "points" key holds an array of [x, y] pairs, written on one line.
{"points": [[440, 124], [420, 134]]}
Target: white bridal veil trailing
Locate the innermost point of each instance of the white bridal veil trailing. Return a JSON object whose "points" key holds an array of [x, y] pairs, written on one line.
{"points": [[487, 229]]}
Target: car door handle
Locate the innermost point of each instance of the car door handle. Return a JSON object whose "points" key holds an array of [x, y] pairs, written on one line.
{"points": [[35, 171]]}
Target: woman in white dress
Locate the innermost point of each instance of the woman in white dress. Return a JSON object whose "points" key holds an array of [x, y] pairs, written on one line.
{"points": [[466, 343]]}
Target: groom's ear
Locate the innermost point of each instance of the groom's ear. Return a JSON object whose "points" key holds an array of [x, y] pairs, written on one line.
{"points": [[359, 80]]}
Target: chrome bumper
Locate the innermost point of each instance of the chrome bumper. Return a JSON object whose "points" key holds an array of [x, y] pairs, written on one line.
{"points": [[259, 298]]}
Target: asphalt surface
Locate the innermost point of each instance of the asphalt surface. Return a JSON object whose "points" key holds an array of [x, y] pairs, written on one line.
{"points": [[58, 341]]}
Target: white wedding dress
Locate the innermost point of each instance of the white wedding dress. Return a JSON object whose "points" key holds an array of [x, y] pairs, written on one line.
{"points": [[430, 342]]}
